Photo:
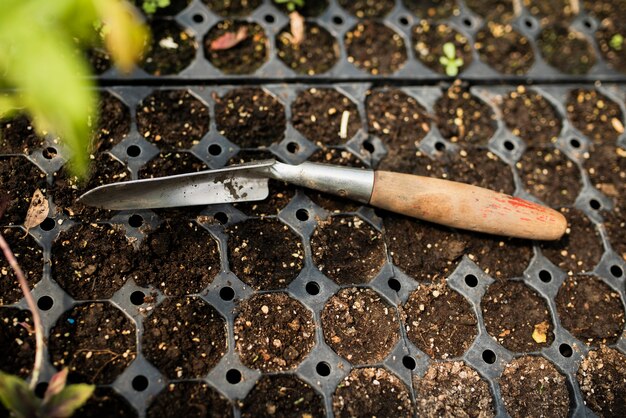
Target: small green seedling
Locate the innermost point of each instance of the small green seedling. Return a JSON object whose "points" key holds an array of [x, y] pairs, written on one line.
{"points": [[151, 6], [291, 5], [617, 41], [450, 61], [59, 401]]}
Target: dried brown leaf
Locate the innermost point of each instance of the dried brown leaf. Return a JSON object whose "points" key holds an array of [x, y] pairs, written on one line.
{"points": [[37, 211], [296, 23], [229, 39]]}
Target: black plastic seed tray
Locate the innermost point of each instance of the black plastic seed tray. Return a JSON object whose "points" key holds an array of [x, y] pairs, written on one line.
{"points": [[322, 368]]}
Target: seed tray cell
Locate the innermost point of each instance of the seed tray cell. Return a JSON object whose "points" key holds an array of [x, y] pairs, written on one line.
{"points": [[323, 365]]}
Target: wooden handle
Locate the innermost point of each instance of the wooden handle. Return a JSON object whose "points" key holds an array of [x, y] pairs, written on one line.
{"points": [[465, 206]]}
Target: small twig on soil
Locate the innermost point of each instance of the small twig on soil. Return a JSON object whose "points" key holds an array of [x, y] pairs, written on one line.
{"points": [[296, 23], [343, 128]]}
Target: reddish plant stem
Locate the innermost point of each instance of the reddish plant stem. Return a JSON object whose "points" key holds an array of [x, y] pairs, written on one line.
{"points": [[8, 254]]}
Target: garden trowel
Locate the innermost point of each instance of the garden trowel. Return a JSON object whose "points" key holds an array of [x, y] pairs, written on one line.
{"points": [[444, 202]]}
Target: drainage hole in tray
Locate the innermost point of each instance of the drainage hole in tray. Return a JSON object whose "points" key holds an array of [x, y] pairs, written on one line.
{"points": [[616, 270], [368, 146], [574, 143], [40, 389], [529, 23], [403, 20], [227, 293], [467, 22], [269, 18], [48, 224], [409, 362], [440, 146], [198, 18], [233, 376], [302, 215], [140, 383], [587, 23], [509, 145], [133, 151], [394, 285], [221, 217], [322, 368], [471, 280], [594, 204], [545, 276], [135, 221], [312, 288], [45, 303], [566, 350], [489, 357], [49, 153], [293, 147], [215, 149], [337, 20], [137, 297]]}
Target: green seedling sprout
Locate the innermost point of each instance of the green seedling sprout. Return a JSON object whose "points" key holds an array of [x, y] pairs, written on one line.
{"points": [[617, 41], [291, 5], [151, 6], [450, 61]]}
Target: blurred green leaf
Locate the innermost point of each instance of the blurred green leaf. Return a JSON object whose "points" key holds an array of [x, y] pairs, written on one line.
{"points": [[56, 384], [17, 397], [63, 404]]}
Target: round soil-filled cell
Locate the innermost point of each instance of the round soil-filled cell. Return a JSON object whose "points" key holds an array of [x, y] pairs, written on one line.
{"points": [[250, 117], [29, 255], [190, 399], [264, 253], [173, 7], [500, 257], [95, 341], [375, 48], [493, 10], [18, 344], [610, 38], [171, 48], [432, 9], [606, 166], [615, 224], [235, 8], [18, 135], [590, 310], [566, 50], [367, 8], [595, 115], [66, 189], [19, 179], [451, 388], [396, 118], [316, 53], [92, 261], [480, 167], [552, 11], [504, 49], [113, 123], [280, 194], [172, 119], [372, 392], [171, 163], [245, 56], [360, 325], [179, 258], [273, 332], [428, 40], [348, 250], [462, 117], [439, 321], [602, 380], [106, 402], [184, 338], [580, 248], [550, 176], [517, 317], [318, 114], [423, 250], [282, 396], [531, 117], [532, 387]]}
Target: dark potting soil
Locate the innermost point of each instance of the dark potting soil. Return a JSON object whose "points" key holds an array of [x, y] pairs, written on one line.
{"points": [[106, 402], [462, 117], [172, 119], [396, 118], [504, 49], [615, 224], [607, 8], [244, 58], [595, 115], [250, 117], [309, 9], [415, 162], [19, 179], [606, 166], [189, 399], [428, 40], [439, 321], [602, 380], [171, 163], [317, 53], [432, 9], [113, 123], [232, 7], [98, 58], [348, 250], [18, 135], [282, 396], [264, 253], [373, 47], [590, 310], [500, 257], [552, 11], [30, 258], [18, 344], [550, 176], [423, 250], [360, 325], [171, 48], [610, 39], [92, 261], [532, 387], [451, 388], [248, 155], [280, 194], [273, 332], [480, 167], [374, 390], [565, 49], [367, 8], [517, 317], [317, 114], [174, 7], [96, 341], [580, 249], [531, 117], [178, 258], [493, 10], [184, 337]]}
